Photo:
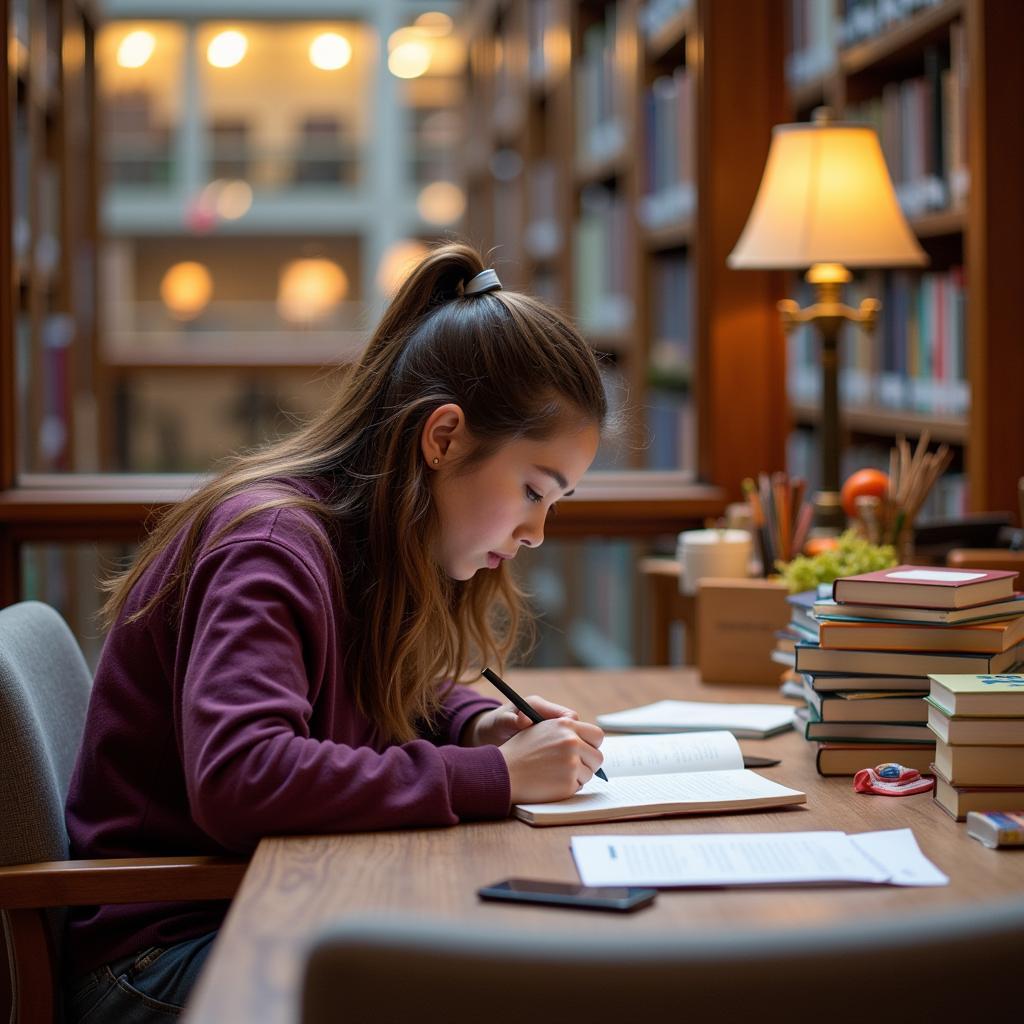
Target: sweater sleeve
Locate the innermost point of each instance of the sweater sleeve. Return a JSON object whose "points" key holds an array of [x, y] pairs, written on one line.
{"points": [[460, 704], [254, 648]]}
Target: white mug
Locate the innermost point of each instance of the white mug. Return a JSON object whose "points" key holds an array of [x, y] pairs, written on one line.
{"points": [[712, 553]]}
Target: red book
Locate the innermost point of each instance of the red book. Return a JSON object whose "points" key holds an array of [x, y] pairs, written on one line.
{"points": [[925, 586]]}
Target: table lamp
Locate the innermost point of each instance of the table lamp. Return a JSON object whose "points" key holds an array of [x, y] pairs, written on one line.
{"points": [[826, 203]]}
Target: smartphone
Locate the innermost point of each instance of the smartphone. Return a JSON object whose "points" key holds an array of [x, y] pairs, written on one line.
{"points": [[566, 894]]}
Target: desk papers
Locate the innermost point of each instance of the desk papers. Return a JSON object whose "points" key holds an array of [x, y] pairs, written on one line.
{"points": [[753, 721], [891, 857]]}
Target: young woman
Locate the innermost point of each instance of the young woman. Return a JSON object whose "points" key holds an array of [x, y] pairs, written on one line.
{"points": [[281, 654]]}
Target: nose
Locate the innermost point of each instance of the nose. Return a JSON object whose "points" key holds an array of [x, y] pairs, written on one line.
{"points": [[531, 534]]}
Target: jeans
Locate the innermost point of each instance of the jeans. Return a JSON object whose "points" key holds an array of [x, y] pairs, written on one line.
{"points": [[148, 986]]}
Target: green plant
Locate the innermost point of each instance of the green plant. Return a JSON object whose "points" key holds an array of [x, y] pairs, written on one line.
{"points": [[852, 556]]}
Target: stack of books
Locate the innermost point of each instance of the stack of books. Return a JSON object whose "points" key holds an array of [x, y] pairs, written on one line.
{"points": [[978, 722], [880, 636]]}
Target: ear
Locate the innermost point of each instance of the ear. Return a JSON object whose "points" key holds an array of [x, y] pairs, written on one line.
{"points": [[444, 435]]}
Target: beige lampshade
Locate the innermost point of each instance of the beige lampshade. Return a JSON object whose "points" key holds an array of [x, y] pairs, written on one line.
{"points": [[825, 197]]}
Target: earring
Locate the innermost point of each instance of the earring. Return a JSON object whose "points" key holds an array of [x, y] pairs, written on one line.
{"points": [[436, 460]]}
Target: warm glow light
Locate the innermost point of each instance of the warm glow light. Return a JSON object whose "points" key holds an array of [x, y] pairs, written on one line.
{"points": [[409, 60], [186, 289], [310, 289], [227, 49], [136, 48], [234, 199], [825, 197], [330, 51], [441, 202], [398, 259], [434, 23]]}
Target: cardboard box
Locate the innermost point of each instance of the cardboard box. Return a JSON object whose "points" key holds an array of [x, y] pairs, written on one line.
{"points": [[736, 624]]}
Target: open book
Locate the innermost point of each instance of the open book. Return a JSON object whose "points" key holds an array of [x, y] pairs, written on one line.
{"points": [[655, 776]]}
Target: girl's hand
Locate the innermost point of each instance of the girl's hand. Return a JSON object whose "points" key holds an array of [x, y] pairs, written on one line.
{"points": [[551, 760], [501, 724]]}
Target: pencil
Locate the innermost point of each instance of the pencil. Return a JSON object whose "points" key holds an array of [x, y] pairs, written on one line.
{"points": [[495, 680]]}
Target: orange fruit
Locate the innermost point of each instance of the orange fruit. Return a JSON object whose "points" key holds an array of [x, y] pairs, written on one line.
{"points": [[864, 482]]}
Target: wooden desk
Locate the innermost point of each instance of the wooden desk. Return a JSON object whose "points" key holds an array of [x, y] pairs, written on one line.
{"points": [[294, 886]]}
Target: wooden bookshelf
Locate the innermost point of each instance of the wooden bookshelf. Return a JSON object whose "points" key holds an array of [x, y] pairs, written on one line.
{"points": [[605, 54], [980, 228], [49, 131]]}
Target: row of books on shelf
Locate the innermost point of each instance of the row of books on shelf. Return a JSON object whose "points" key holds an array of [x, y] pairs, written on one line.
{"points": [[603, 262], [859, 20], [922, 126], [917, 665], [819, 28], [812, 42], [600, 132], [669, 176], [916, 358]]}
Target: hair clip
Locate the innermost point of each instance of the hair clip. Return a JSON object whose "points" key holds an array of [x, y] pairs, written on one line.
{"points": [[485, 281]]}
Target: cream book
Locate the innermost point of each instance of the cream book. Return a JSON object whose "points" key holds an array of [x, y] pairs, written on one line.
{"points": [[657, 776]]}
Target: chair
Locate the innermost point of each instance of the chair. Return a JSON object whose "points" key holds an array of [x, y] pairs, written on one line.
{"points": [[44, 692], [911, 968]]}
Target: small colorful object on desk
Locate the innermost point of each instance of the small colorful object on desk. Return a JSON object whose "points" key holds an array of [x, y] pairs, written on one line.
{"points": [[891, 779], [996, 828]]}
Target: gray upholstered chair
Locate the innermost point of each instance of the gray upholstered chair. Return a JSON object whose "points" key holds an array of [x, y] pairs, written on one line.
{"points": [[921, 967], [44, 692]]}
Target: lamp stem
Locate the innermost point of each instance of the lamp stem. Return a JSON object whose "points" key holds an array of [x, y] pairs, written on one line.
{"points": [[828, 314]]}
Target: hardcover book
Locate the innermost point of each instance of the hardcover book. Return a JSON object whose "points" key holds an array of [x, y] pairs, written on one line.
{"points": [[959, 801], [919, 586], [960, 730], [849, 758], [984, 638], [981, 765], [997, 695], [812, 658], [827, 609]]}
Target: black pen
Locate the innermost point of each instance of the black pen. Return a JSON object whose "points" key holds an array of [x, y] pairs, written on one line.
{"points": [[530, 713]]}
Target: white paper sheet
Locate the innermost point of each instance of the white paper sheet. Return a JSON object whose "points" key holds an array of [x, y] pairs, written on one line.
{"points": [[764, 858]]}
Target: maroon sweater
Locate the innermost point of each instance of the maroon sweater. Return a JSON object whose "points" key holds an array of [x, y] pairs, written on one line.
{"points": [[234, 720]]}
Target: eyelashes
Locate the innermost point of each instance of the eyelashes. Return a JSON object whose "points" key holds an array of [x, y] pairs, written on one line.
{"points": [[536, 499]]}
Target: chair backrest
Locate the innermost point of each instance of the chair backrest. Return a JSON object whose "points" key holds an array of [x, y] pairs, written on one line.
{"points": [[912, 967], [44, 692]]}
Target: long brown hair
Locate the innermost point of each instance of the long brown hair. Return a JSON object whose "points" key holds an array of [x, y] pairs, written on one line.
{"points": [[517, 368]]}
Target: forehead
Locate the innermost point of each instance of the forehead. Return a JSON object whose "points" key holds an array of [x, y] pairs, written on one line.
{"points": [[567, 452]]}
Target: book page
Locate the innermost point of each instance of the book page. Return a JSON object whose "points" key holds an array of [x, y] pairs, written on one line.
{"points": [[638, 791], [768, 858], [676, 752], [691, 715]]}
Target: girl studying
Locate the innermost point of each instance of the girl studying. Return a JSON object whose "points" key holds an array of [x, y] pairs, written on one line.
{"points": [[281, 654]]}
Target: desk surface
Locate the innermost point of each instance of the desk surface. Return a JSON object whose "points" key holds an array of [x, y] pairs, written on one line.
{"points": [[294, 886]]}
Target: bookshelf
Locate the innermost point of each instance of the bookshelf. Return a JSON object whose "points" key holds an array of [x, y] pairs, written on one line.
{"points": [[50, 135], [633, 176], [940, 82], [623, 178]]}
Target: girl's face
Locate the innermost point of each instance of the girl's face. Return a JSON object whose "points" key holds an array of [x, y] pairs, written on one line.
{"points": [[500, 505]]}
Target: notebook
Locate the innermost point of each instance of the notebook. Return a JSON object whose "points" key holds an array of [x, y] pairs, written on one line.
{"points": [[748, 721], [657, 776]]}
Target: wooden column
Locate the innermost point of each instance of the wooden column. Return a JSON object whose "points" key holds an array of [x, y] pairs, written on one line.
{"points": [[738, 56], [995, 234]]}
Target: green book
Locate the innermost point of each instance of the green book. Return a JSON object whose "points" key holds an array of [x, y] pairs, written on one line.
{"points": [[996, 696]]}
